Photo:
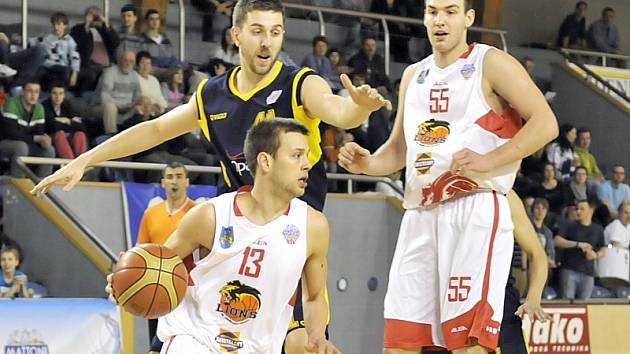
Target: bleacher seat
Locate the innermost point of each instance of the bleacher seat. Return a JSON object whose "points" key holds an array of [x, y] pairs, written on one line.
{"points": [[599, 292]]}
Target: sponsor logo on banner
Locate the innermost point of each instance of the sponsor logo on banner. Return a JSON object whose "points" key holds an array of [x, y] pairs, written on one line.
{"points": [[238, 303], [422, 76], [423, 163], [229, 341], [567, 332], [291, 234], [467, 71], [432, 132], [22, 341], [226, 239]]}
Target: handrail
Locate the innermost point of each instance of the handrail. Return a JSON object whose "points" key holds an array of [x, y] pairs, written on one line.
{"points": [[193, 168], [597, 78], [24, 24], [182, 30], [591, 53]]}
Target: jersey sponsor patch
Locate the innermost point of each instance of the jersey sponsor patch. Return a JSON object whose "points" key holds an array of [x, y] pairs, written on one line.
{"points": [[432, 132], [218, 116], [226, 239], [238, 303], [229, 341], [422, 76], [291, 234], [273, 96], [423, 163], [468, 70]]}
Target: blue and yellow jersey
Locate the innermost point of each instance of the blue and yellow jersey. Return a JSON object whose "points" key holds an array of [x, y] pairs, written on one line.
{"points": [[225, 115]]}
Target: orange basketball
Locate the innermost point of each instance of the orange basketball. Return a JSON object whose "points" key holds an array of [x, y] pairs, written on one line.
{"points": [[149, 280]]}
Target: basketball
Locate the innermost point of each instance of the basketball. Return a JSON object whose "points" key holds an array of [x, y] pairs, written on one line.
{"points": [[149, 280]]}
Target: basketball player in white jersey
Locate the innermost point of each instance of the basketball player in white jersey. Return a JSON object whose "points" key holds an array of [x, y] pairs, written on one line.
{"points": [[261, 240], [459, 133]]}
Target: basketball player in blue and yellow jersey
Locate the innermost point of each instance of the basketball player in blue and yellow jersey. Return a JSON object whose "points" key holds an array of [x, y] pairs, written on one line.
{"points": [[227, 105]]}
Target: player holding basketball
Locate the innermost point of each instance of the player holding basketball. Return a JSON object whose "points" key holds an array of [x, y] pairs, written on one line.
{"points": [[460, 136], [261, 240], [226, 106]]}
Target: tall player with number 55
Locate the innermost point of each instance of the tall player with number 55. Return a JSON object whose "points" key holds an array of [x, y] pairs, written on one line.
{"points": [[262, 239], [459, 132]]}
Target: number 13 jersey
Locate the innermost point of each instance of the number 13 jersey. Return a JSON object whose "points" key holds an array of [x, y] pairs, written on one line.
{"points": [[244, 289]]}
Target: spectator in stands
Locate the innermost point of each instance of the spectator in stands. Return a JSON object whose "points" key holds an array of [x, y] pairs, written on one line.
{"points": [[62, 62], [318, 60], [23, 129], [209, 9], [23, 61], [117, 92], [372, 64], [583, 242], [149, 85], [530, 174], [540, 208], [338, 68], [62, 123], [580, 190], [160, 220], [13, 281], [582, 149], [561, 152], [173, 89], [617, 232], [216, 67], [399, 40], [96, 43], [5, 240], [228, 51], [129, 37], [603, 35], [613, 192], [552, 190], [572, 33], [158, 44], [529, 64]]}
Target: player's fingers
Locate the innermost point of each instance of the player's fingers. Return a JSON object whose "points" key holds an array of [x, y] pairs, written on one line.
{"points": [[542, 315], [519, 311], [388, 104], [346, 82]]}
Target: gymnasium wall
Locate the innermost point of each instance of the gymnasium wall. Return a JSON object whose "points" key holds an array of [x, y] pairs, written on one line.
{"points": [[545, 16]]}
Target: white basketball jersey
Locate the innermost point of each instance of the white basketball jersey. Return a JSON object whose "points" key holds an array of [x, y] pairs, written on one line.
{"points": [[243, 294], [446, 111]]}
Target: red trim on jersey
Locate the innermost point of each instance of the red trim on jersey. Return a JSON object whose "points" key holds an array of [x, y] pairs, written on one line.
{"points": [[477, 322], [170, 341], [293, 298], [504, 126], [190, 264], [466, 54], [407, 335], [243, 189], [446, 186]]}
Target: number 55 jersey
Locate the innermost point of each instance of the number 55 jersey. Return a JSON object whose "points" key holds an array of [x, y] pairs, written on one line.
{"points": [[243, 293]]}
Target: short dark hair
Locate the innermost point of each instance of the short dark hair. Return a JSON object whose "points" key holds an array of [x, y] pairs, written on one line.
{"points": [[580, 3], [32, 82], [59, 17], [10, 248], [590, 202], [265, 137], [607, 9], [129, 7], [151, 12], [580, 168], [468, 4], [243, 7], [174, 165], [541, 201], [583, 130], [143, 54], [319, 38], [57, 84], [365, 38]]}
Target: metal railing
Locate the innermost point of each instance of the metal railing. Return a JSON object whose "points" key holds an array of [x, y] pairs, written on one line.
{"points": [[588, 53], [349, 178]]}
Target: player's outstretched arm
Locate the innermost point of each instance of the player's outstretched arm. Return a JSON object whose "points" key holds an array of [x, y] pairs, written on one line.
{"points": [[390, 157], [525, 235], [507, 79], [314, 278], [196, 229], [342, 112], [136, 139]]}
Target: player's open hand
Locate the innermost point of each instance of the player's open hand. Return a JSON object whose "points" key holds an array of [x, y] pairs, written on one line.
{"points": [[353, 158], [321, 346], [467, 161], [69, 175], [533, 309], [110, 290], [365, 96]]}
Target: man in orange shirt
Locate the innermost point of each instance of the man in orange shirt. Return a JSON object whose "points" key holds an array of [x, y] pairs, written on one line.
{"points": [[160, 220]]}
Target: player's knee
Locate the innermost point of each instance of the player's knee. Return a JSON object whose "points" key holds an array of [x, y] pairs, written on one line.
{"points": [[295, 342]]}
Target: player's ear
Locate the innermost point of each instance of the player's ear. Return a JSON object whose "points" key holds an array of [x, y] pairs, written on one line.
{"points": [[470, 17], [264, 161], [236, 34]]}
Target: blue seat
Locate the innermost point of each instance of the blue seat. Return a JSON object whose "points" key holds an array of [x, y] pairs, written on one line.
{"points": [[599, 292], [623, 292], [549, 293]]}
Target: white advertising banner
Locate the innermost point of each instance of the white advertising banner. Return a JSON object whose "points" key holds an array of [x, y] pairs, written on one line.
{"points": [[59, 326]]}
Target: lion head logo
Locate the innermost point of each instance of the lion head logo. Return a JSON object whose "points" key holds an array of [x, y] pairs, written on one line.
{"points": [[432, 132], [238, 303]]}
